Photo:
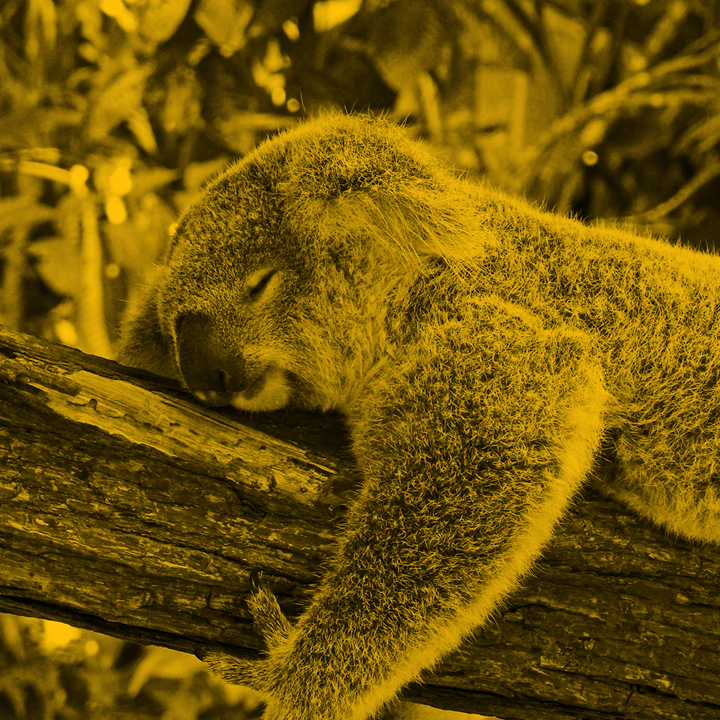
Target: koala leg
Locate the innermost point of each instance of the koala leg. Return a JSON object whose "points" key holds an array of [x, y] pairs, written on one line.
{"points": [[472, 446]]}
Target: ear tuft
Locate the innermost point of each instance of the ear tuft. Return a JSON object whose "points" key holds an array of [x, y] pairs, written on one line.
{"points": [[412, 222]]}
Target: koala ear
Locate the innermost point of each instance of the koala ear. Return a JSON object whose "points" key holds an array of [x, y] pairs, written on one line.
{"points": [[412, 221], [143, 343]]}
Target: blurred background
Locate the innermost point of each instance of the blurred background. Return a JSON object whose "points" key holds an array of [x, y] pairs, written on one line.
{"points": [[115, 113]]}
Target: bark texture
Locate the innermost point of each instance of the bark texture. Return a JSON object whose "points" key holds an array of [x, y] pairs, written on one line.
{"points": [[128, 509]]}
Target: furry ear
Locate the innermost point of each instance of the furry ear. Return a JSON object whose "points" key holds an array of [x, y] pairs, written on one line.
{"points": [[353, 180], [410, 223], [416, 221]]}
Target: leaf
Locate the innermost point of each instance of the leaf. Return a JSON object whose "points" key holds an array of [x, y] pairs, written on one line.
{"points": [[270, 15], [40, 20], [151, 179], [163, 663], [139, 124], [22, 210], [225, 22], [158, 19], [117, 102], [183, 101], [136, 244], [58, 264], [198, 173]]}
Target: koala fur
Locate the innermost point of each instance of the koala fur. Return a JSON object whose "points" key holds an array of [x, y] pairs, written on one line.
{"points": [[489, 357]]}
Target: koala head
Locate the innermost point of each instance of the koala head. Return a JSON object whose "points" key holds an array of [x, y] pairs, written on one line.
{"points": [[278, 282]]}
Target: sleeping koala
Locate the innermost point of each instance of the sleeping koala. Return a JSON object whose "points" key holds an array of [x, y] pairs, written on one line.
{"points": [[482, 350]]}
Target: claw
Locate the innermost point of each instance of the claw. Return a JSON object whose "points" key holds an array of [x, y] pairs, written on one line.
{"points": [[271, 625], [255, 583]]}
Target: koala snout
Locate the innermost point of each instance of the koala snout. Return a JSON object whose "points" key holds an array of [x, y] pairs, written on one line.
{"points": [[211, 372]]}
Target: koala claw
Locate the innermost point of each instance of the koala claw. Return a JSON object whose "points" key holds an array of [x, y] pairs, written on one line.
{"points": [[268, 618], [271, 625]]}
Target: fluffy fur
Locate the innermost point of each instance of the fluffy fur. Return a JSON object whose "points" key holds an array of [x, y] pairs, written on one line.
{"points": [[489, 357]]}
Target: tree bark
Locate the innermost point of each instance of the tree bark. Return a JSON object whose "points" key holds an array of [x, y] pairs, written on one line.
{"points": [[128, 509]]}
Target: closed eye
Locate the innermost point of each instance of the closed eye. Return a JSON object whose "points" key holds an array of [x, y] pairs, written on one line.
{"points": [[257, 282]]}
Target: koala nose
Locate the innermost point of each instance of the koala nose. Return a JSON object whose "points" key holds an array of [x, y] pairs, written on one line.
{"points": [[211, 372]]}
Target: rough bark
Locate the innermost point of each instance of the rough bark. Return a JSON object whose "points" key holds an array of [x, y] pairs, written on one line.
{"points": [[128, 509]]}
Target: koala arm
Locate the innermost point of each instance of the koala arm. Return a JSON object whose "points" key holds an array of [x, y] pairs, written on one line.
{"points": [[471, 450]]}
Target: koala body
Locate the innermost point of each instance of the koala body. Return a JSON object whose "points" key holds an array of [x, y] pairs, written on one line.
{"points": [[489, 357]]}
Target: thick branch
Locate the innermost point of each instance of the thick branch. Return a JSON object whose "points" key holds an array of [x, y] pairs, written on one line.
{"points": [[128, 509]]}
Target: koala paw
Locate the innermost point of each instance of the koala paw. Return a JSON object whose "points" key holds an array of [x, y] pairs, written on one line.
{"points": [[270, 624]]}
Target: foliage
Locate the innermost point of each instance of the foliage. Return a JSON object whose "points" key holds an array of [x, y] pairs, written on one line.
{"points": [[644, 148], [50, 671], [114, 112]]}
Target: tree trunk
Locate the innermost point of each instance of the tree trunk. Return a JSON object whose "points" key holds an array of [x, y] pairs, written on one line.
{"points": [[128, 509]]}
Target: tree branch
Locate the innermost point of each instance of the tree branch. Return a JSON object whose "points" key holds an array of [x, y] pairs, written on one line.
{"points": [[128, 509]]}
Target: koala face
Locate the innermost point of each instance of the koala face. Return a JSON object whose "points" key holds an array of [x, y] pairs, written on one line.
{"points": [[279, 282], [259, 311], [252, 370], [224, 301]]}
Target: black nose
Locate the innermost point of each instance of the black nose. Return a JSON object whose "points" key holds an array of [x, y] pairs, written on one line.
{"points": [[210, 371]]}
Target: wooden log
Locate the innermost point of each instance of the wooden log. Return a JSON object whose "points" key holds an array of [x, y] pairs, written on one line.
{"points": [[128, 509]]}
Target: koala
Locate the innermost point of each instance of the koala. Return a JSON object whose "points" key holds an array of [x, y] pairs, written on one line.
{"points": [[489, 357]]}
